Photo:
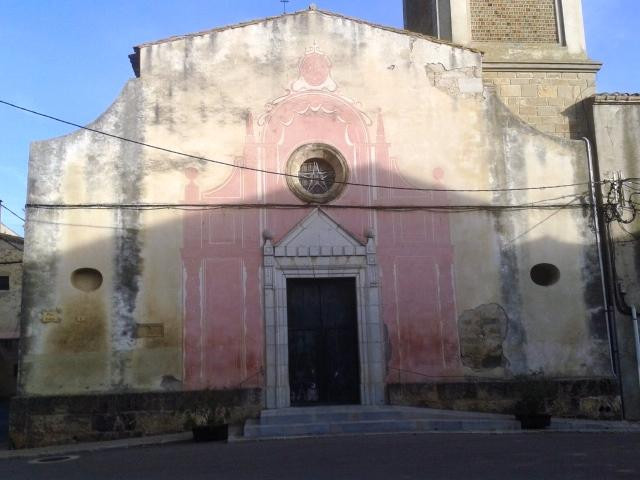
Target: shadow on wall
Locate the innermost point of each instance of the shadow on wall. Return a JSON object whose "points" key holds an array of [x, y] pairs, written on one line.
{"points": [[465, 291], [170, 299]]}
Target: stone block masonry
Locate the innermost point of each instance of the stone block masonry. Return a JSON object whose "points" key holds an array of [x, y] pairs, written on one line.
{"points": [[529, 21], [550, 101], [55, 420], [595, 398]]}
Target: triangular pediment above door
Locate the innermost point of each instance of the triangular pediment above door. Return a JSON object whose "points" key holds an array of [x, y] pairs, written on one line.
{"points": [[319, 230]]}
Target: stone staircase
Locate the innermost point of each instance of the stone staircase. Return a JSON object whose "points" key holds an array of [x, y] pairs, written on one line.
{"points": [[359, 419]]}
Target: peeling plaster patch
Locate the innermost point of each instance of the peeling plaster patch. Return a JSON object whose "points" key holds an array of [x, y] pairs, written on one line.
{"points": [[482, 332], [464, 82], [471, 85]]}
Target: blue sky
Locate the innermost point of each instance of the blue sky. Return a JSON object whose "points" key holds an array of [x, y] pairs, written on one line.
{"points": [[68, 58]]}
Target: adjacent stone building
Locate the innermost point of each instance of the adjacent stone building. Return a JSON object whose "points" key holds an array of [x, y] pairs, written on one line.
{"points": [[326, 211], [11, 247], [616, 125]]}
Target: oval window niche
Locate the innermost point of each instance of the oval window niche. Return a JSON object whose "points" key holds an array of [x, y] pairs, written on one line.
{"points": [[545, 274], [86, 279]]}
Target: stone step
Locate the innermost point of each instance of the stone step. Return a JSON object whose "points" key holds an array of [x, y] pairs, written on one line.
{"points": [[306, 415], [257, 430], [356, 419]]}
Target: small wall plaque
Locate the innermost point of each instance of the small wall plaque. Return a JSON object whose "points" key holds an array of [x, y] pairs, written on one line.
{"points": [[51, 316]]}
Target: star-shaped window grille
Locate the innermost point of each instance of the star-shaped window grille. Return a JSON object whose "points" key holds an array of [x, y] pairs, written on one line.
{"points": [[316, 176]]}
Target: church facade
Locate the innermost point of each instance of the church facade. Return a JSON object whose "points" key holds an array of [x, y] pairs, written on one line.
{"points": [[310, 209]]}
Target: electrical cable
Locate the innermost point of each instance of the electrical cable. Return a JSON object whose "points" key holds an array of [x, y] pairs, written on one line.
{"points": [[282, 174], [553, 214], [620, 301], [2, 205], [293, 206], [632, 235]]}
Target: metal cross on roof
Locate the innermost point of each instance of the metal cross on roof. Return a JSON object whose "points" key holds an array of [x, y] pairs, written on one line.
{"points": [[284, 5]]}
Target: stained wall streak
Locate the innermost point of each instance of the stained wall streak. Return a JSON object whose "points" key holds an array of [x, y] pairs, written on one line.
{"points": [[129, 172]]}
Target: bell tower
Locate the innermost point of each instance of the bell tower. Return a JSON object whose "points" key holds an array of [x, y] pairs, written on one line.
{"points": [[429, 17], [535, 53]]}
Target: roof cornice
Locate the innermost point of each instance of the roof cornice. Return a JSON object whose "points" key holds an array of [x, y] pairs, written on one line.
{"points": [[587, 66], [310, 11], [617, 98]]}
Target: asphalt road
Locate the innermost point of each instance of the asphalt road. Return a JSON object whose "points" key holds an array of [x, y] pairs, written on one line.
{"points": [[545, 456]]}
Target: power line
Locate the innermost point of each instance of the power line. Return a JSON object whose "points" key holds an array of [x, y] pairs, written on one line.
{"points": [[559, 209], [2, 205], [282, 174], [632, 235], [294, 206]]}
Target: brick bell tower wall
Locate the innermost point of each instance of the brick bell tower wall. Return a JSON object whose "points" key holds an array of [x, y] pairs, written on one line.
{"points": [[534, 54]]}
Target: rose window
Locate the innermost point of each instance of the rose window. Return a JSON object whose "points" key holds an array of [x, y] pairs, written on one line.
{"points": [[317, 173], [317, 176]]}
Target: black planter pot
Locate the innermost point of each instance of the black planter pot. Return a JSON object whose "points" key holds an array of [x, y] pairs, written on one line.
{"points": [[533, 421], [211, 433]]}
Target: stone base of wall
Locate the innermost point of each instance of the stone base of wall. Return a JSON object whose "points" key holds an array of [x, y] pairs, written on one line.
{"points": [[42, 421], [591, 398]]}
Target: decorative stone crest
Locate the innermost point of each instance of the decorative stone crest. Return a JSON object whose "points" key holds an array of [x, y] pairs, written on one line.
{"points": [[315, 72]]}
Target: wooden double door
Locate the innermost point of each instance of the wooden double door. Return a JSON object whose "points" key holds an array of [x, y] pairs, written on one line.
{"points": [[323, 341]]}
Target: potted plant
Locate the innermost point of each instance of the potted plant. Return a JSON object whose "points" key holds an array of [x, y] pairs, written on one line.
{"points": [[205, 426], [532, 409]]}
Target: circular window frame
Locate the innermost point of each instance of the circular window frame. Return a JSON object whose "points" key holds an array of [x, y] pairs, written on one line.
{"points": [[324, 152]]}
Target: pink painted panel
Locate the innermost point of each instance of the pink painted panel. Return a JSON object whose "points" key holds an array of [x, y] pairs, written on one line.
{"points": [[193, 334], [224, 341], [418, 313], [222, 226]]}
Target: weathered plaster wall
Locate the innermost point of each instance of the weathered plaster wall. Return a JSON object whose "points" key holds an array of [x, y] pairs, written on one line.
{"points": [[79, 341], [617, 122], [428, 122]]}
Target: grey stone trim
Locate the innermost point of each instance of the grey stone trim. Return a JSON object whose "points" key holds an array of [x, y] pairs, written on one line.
{"points": [[324, 261]]}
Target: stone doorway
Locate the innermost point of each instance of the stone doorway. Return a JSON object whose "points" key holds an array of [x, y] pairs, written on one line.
{"points": [[323, 341], [318, 248]]}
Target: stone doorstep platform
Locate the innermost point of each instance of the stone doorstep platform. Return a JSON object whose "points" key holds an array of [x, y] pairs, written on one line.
{"points": [[357, 419]]}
